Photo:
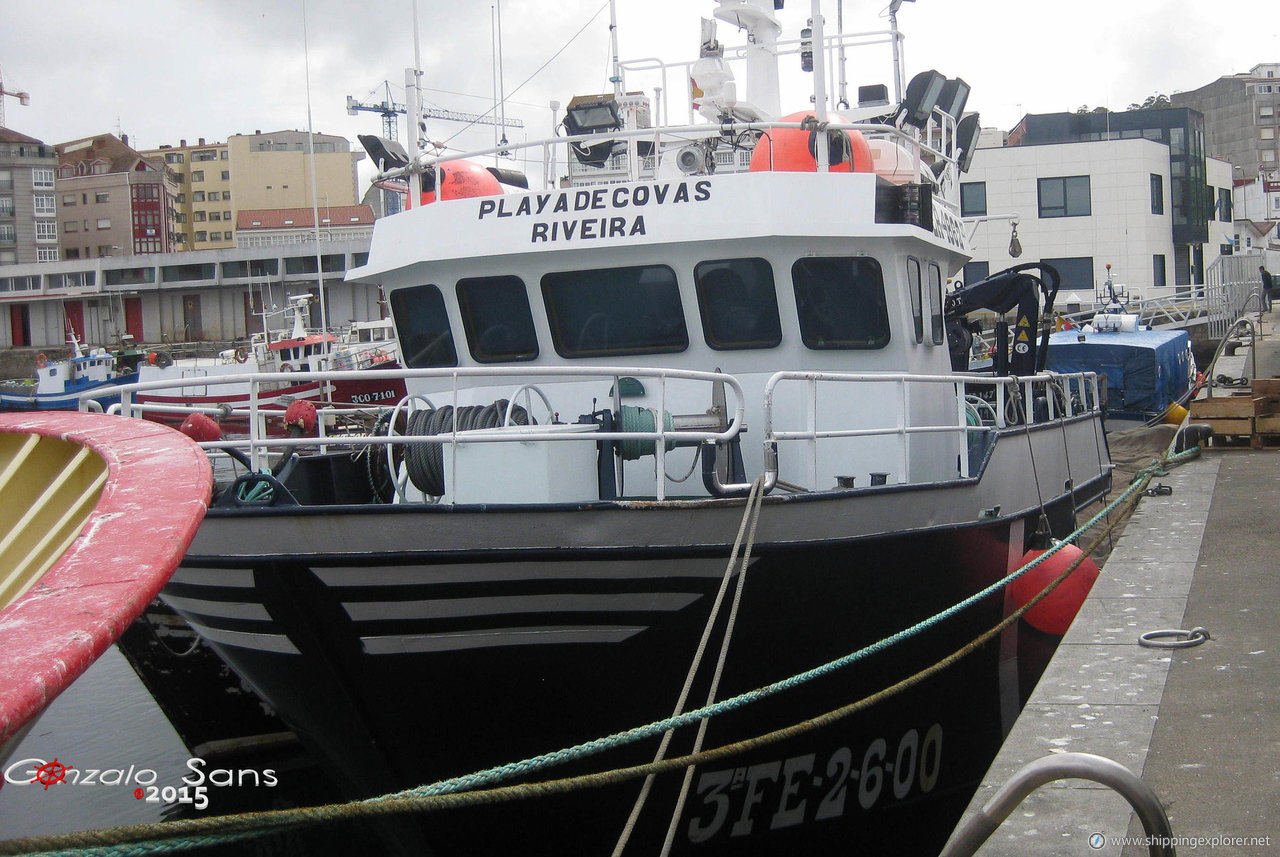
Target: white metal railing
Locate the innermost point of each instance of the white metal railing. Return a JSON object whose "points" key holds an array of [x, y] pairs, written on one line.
{"points": [[261, 385], [979, 403], [1013, 401]]}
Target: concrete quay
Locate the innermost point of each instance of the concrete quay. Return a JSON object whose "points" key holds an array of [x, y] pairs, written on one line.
{"points": [[1200, 725]]}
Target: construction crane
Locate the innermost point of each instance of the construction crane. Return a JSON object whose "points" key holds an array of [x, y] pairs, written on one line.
{"points": [[23, 98], [390, 112]]}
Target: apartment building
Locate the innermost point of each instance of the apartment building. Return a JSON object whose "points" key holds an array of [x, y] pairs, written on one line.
{"points": [[1242, 118], [216, 182], [274, 170], [28, 209], [203, 214], [112, 201]]}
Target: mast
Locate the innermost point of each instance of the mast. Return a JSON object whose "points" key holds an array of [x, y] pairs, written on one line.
{"points": [[311, 158]]}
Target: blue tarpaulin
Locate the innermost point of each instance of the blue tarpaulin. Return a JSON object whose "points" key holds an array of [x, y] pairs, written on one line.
{"points": [[1146, 370]]}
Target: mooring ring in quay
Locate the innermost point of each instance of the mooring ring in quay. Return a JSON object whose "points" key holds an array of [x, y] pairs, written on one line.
{"points": [[1194, 637]]}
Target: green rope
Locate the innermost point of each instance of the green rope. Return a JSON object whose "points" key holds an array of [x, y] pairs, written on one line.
{"points": [[194, 833]]}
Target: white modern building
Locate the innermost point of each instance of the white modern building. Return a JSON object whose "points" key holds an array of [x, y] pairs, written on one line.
{"points": [[1123, 196]]}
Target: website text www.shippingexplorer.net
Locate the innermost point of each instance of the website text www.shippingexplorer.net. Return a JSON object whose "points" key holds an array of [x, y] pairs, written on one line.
{"points": [[1098, 841]]}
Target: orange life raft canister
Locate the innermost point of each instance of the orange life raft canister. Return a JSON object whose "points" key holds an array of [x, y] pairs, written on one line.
{"points": [[792, 149]]}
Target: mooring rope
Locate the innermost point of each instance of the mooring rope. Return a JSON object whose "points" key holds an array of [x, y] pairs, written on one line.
{"points": [[750, 513], [460, 792]]}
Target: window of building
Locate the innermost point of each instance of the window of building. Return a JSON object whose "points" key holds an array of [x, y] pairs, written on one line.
{"points": [[1264, 88], [426, 340], [197, 196], [1266, 133], [1266, 111], [202, 236], [102, 196], [1067, 196], [46, 254], [1267, 156], [46, 230], [1076, 273], [6, 206], [215, 215], [615, 311], [1225, 214], [226, 215], [738, 304], [497, 319], [973, 199], [841, 303], [68, 199], [197, 216], [1157, 193], [1158, 270], [42, 178], [226, 175], [7, 234], [45, 206], [204, 155], [976, 271], [100, 169], [226, 194], [71, 226], [173, 157], [215, 236], [197, 176], [104, 222], [225, 154]]}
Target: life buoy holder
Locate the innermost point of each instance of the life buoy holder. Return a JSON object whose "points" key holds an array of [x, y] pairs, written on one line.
{"points": [[286, 367], [242, 355], [41, 360]]}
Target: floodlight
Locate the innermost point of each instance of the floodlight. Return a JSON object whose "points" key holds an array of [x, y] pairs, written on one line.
{"points": [[387, 154], [967, 131], [592, 114], [955, 92], [922, 96]]}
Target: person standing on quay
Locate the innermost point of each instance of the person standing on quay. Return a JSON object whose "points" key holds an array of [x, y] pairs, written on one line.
{"points": [[1268, 283]]}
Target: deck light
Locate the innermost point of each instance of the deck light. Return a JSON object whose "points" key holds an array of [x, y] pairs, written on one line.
{"points": [[922, 96]]}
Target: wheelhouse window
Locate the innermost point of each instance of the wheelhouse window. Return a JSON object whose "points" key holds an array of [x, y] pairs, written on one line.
{"points": [[426, 340], [615, 311], [738, 304], [937, 329], [841, 303], [497, 319], [1067, 196], [914, 289]]}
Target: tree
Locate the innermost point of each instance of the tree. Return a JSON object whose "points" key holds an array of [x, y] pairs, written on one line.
{"points": [[1158, 100]]}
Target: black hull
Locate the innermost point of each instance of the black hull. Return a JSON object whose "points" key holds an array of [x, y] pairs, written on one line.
{"points": [[400, 673]]}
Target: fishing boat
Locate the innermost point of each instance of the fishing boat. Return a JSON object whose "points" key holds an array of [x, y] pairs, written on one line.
{"points": [[61, 384], [97, 513], [1150, 374], [679, 428], [363, 345]]}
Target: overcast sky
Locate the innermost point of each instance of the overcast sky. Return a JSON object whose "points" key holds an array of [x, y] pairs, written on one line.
{"points": [[165, 70]]}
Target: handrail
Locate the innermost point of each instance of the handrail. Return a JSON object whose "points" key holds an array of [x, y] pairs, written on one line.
{"points": [[971, 834]]}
